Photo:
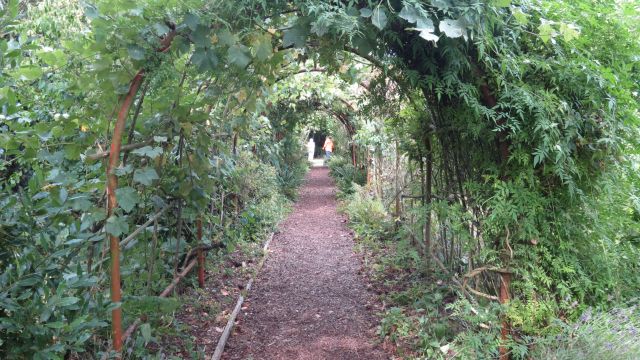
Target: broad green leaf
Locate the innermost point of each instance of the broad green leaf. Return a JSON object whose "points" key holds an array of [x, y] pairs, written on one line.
{"points": [[520, 16], [160, 28], [427, 29], [204, 59], [55, 325], [192, 21], [200, 36], [148, 151], [238, 55], [365, 12], [123, 170], [294, 36], [569, 31], [425, 24], [116, 225], [545, 31], [452, 28], [429, 36], [442, 4], [379, 17], [55, 58], [319, 28], [73, 151], [227, 38], [262, 47], [145, 176], [136, 52], [127, 198], [28, 73], [409, 13]]}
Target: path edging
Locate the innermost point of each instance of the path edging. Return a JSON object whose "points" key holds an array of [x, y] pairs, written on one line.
{"points": [[232, 319]]}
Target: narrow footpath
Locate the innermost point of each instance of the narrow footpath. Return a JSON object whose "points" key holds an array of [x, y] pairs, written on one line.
{"points": [[309, 301]]}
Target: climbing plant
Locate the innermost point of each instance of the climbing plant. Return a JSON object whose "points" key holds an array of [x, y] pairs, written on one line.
{"points": [[515, 123]]}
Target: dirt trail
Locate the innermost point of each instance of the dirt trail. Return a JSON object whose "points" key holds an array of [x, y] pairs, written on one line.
{"points": [[308, 301]]}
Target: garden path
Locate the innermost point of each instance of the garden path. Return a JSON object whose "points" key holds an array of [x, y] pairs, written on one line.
{"points": [[308, 302]]}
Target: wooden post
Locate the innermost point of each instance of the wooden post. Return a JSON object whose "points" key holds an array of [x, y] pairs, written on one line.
{"points": [[427, 199], [354, 157], [200, 256], [505, 282], [368, 168]]}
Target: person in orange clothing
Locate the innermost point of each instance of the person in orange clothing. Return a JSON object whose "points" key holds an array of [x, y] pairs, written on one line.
{"points": [[328, 147]]}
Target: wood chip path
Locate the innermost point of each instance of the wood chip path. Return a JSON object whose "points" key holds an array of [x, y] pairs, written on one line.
{"points": [[309, 301]]}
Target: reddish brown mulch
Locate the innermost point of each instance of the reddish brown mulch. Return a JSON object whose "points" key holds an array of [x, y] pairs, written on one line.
{"points": [[308, 301]]}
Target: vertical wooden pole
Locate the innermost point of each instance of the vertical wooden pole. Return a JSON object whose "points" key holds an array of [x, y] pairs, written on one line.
{"points": [[368, 168], [112, 185], [354, 157], [427, 200], [505, 282], [200, 256], [503, 150]]}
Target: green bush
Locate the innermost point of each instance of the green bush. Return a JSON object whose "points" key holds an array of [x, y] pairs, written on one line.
{"points": [[367, 215], [345, 175], [595, 335]]}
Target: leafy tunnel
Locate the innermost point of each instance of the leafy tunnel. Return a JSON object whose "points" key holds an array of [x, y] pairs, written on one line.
{"points": [[497, 138]]}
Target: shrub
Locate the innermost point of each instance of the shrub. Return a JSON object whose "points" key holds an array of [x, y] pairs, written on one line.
{"points": [[367, 215], [345, 174], [595, 335]]}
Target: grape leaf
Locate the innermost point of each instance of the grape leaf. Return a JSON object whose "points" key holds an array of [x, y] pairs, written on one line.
{"points": [[192, 21], [204, 59], [151, 152], [116, 225], [262, 47], [127, 198], [294, 36], [145, 176], [238, 55]]}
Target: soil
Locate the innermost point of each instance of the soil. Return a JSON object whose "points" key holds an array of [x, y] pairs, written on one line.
{"points": [[308, 301], [204, 312]]}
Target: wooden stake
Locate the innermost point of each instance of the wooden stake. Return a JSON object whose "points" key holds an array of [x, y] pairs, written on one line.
{"points": [[505, 282], [200, 256]]}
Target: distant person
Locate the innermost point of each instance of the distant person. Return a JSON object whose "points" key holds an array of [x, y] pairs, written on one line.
{"points": [[311, 148], [328, 147]]}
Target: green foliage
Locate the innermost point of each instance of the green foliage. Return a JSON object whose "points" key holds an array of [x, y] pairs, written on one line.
{"points": [[367, 215], [595, 335], [346, 175], [221, 113]]}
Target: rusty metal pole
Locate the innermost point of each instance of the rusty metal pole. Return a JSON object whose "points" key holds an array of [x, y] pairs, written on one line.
{"points": [[200, 256], [112, 185]]}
